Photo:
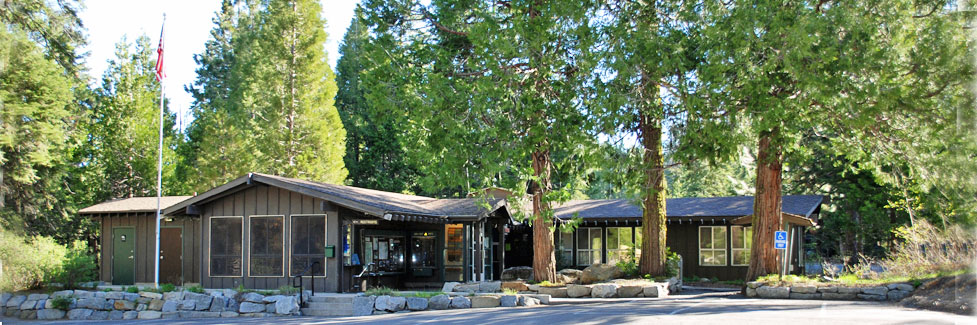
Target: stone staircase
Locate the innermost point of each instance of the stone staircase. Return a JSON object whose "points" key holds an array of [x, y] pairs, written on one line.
{"points": [[329, 305]]}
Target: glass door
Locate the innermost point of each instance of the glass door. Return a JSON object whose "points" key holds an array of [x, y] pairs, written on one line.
{"points": [[454, 251]]}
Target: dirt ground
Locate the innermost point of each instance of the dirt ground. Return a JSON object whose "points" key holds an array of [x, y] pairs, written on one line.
{"points": [[955, 294]]}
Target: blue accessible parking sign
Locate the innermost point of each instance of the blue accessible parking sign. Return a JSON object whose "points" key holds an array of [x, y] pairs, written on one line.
{"points": [[780, 239]]}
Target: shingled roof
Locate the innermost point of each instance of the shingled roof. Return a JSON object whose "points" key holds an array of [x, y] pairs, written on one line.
{"points": [[387, 205], [133, 204], [730, 206]]}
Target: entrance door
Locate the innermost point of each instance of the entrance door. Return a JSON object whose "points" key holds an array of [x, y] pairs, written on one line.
{"points": [[171, 255], [123, 255]]}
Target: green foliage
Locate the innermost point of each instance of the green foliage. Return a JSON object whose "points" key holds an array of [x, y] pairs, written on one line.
{"points": [[509, 291], [62, 303], [379, 291], [194, 289], [77, 267], [265, 70], [287, 290], [28, 262], [132, 289], [124, 122], [376, 152], [242, 290]]}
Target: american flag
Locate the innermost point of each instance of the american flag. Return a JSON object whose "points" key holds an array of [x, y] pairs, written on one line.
{"points": [[159, 59]]}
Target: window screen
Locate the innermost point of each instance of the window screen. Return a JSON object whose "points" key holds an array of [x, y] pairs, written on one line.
{"points": [[267, 247], [308, 244], [225, 246]]}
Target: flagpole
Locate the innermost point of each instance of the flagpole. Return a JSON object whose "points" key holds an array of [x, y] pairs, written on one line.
{"points": [[159, 165]]}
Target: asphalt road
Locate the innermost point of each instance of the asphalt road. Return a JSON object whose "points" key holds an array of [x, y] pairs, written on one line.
{"points": [[688, 308]]}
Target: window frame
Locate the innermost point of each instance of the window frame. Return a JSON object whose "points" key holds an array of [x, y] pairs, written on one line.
{"points": [[627, 252], [564, 247], [251, 242], [746, 248], [725, 249], [590, 249], [325, 239], [210, 248]]}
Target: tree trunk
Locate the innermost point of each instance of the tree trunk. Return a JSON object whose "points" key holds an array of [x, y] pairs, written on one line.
{"points": [[764, 257], [544, 262], [654, 230]]}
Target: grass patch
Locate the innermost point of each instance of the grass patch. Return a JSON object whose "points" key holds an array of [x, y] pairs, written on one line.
{"points": [[550, 284], [509, 291], [194, 289], [421, 294], [288, 290], [62, 303], [379, 291]]}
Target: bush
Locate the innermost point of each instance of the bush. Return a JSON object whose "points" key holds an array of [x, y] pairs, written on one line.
{"points": [[132, 289], [167, 287], [926, 249], [78, 267], [62, 303], [27, 262], [629, 268], [194, 289]]}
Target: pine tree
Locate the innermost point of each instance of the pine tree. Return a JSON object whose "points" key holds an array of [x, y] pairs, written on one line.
{"points": [[124, 126], [375, 154], [214, 142], [36, 106], [285, 92]]}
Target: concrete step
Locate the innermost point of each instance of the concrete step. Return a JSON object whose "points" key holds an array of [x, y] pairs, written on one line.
{"points": [[328, 309], [331, 299]]}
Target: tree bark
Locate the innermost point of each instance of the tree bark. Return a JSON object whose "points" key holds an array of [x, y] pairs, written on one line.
{"points": [[544, 262], [654, 230], [764, 258]]}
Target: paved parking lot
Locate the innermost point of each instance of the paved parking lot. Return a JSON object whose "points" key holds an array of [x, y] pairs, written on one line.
{"points": [[689, 308]]}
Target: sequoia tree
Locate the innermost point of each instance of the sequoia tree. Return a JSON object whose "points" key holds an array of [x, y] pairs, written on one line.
{"points": [[785, 69]]}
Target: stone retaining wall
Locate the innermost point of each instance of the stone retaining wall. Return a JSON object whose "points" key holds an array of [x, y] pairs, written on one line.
{"points": [[610, 289], [378, 305], [891, 292], [118, 305]]}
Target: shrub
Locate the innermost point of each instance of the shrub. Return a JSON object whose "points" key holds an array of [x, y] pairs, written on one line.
{"points": [[62, 303], [194, 289], [166, 287], [132, 289], [925, 249], [27, 262], [78, 267], [242, 290], [629, 267], [509, 291]]}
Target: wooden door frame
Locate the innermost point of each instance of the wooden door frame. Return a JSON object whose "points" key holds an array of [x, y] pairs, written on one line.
{"points": [[135, 250], [182, 272]]}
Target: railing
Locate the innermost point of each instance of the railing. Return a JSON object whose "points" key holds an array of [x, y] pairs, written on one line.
{"points": [[368, 271], [301, 285]]}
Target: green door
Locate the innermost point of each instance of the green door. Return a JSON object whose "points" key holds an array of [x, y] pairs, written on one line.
{"points": [[123, 255]]}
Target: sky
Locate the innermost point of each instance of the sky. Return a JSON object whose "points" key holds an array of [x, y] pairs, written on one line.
{"points": [[188, 24]]}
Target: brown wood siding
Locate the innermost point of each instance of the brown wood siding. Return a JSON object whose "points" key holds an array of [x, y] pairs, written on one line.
{"points": [[268, 200], [146, 243]]}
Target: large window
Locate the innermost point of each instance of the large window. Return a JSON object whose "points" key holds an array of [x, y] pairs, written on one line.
{"points": [[712, 245], [565, 248], [619, 244], [267, 249], [308, 244], [226, 242], [588, 246], [742, 242]]}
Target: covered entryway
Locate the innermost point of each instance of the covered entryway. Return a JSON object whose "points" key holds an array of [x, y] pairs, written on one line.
{"points": [[123, 255], [171, 255]]}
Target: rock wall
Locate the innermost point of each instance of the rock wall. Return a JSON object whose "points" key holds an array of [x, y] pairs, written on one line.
{"points": [[890, 292], [117, 305]]}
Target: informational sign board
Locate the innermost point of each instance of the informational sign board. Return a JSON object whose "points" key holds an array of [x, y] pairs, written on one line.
{"points": [[780, 240]]}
